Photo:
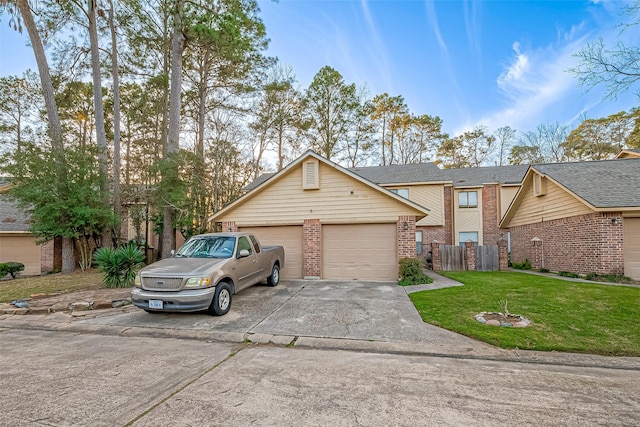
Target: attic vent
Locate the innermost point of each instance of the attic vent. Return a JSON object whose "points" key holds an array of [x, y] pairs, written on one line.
{"points": [[539, 185], [310, 179]]}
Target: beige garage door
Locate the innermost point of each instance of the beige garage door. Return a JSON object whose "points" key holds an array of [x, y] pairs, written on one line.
{"points": [[632, 247], [21, 249], [290, 237], [361, 252]]}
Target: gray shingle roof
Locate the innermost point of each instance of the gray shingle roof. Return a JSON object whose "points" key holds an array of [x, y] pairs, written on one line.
{"points": [[12, 218], [429, 172], [604, 184], [394, 174]]}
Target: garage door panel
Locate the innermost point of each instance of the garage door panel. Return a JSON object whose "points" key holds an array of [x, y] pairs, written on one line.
{"points": [[290, 237], [22, 249], [359, 251], [631, 239]]}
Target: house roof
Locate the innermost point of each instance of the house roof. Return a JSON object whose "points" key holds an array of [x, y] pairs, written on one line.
{"points": [[12, 218], [267, 179], [429, 172], [603, 184]]}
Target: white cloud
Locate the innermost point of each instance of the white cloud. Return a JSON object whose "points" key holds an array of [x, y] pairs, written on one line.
{"points": [[515, 73]]}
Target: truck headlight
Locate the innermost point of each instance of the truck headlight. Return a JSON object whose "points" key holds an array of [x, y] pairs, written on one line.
{"points": [[198, 282], [137, 282]]}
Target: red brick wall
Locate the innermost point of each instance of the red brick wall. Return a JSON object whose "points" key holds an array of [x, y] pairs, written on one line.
{"points": [[47, 255], [491, 233], [448, 216], [579, 244], [229, 226], [406, 236], [311, 248]]}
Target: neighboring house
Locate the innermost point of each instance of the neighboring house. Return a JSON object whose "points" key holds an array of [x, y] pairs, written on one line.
{"points": [[578, 217], [461, 204], [628, 153], [465, 203], [18, 244]]}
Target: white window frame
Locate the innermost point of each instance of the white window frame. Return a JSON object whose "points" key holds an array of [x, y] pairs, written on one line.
{"points": [[469, 237], [466, 194]]}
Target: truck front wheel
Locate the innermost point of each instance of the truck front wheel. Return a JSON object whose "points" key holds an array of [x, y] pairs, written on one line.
{"points": [[221, 300]]}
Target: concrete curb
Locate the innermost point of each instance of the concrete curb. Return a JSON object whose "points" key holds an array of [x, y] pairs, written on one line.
{"points": [[51, 324]]}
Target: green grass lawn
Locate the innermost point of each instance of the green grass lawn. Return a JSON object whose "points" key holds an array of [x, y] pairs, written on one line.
{"points": [[24, 287], [567, 316]]}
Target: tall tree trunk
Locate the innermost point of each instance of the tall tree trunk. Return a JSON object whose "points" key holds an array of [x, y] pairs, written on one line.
{"points": [[173, 140], [55, 128], [101, 135], [202, 108], [117, 205]]}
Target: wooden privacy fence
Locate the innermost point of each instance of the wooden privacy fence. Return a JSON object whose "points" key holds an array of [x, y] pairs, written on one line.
{"points": [[452, 258], [470, 257]]}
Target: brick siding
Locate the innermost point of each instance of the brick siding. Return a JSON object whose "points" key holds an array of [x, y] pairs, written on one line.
{"points": [[582, 244], [491, 232], [229, 226], [311, 249], [406, 232]]}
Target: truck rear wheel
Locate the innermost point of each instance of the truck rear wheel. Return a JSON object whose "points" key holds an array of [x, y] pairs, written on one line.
{"points": [[274, 279], [221, 300]]}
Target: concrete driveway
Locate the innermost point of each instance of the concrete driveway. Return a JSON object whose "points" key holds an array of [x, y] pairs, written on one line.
{"points": [[372, 311]]}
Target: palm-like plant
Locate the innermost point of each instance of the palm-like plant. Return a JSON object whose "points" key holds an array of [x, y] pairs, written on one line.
{"points": [[119, 265]]}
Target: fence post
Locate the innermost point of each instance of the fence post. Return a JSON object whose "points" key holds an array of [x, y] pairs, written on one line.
{"points": [[435, 256], [503, 255], [470, 249]]}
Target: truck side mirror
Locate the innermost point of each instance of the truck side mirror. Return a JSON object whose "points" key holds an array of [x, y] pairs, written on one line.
{"points": [[244, 253]]}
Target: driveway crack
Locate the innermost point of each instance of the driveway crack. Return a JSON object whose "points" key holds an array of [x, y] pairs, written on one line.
{"points": [[276, 309]]}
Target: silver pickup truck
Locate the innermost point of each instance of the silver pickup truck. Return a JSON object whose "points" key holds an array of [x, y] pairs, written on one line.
{"points": [[205, 272]]}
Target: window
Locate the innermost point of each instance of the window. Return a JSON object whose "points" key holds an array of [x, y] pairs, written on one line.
{"points": [[243, 243], [402, 192], [468, 199], [464, 236], [255, 244], [418, 242]]}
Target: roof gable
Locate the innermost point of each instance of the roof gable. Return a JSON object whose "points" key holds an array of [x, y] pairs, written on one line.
{"points": [[293, 169]]}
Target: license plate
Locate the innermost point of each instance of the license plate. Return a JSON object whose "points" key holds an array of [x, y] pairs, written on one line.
{"points": [[155, 304]]}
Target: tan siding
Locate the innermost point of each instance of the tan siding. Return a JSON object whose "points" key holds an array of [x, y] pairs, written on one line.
{"points": [[340, 199], [22, 249], [432, 198], [467, 219], [631, 241], [556, 204], [507, 194]]}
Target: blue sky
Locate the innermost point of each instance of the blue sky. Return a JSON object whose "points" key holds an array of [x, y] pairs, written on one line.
{"points": [[495, 63]]}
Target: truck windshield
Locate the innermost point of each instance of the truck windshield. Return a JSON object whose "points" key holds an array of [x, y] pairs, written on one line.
{"points": [[207, 247]]}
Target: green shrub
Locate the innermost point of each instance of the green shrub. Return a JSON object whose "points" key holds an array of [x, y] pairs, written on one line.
{"points": [[526, 265], [119, 265], [614, 278], [568, 274], [411, 273], [11, 268], [543, 270]]}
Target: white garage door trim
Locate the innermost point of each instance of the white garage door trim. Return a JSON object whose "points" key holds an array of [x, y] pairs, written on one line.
{"points": [[290, 237], [631, 239], [360, 252]]}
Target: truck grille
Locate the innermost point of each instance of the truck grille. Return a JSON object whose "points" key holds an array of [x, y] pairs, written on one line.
{"points": [[162, 283]]}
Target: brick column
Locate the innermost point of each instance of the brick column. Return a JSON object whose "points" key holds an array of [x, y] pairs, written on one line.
{"points": [[406, 232], [229, 226], [503, 255], [470, 255], [311, 249], [47, 257], [435, 256]]}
